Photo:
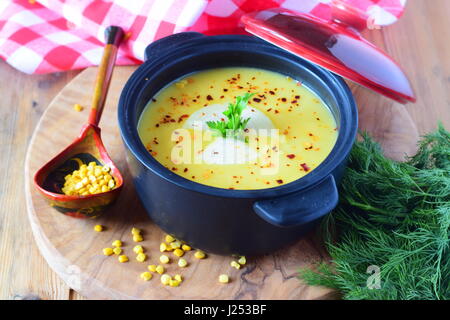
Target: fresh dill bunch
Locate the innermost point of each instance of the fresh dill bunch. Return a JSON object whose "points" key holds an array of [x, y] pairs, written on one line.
{"points": [[395, 216], [235, 124]]}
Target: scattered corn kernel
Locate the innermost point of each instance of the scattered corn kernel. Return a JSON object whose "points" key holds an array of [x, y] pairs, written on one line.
{"points": [[169, 238], [182, 263], [117, 243], [185, 247], [200, 254], [152, 268], [135, 231], [164, 259], [236, 265], [178, 252], [174, 283], [123, 258], [165, 279], [146, 276], [77, 107], [242, 260], [138, 249], [223, 278], [178, 277], [163, 247], [137, 238], [160, 269], [98, 228], [108, 251], [117, 250], [175, 245], [88, 179], [141, 257]]}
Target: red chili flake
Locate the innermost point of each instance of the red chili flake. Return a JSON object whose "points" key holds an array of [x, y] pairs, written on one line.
{"points": [[257, 100], [193, 177], [231, 188], [157, 125], [174, 169], [294, 101], [276, 111], [240, 87], [271, 92], [291, 156], [280, 181], [268, 110], [297, 97], [209, 98], [185, 170], [283, 99], [225, 90], [305, 167], [182, 117], [153, 99], [221, 97]]}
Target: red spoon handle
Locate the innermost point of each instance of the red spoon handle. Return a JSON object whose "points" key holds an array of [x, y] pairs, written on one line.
{"points": [[114, 36]]}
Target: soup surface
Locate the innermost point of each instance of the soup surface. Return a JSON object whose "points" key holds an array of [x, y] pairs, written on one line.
{"points": [[289, 130]]}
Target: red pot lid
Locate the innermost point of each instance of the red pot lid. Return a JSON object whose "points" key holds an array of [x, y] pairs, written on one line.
{"points": [[334, 46]]}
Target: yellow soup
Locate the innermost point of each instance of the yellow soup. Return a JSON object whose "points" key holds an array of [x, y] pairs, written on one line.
{"points": [[288, 130]]}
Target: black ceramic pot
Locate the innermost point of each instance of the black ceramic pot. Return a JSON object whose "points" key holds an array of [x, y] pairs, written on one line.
{"points": [[222, 221]]}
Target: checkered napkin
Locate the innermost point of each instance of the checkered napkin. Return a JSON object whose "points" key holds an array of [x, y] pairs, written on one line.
{"points": [[41, 36]]}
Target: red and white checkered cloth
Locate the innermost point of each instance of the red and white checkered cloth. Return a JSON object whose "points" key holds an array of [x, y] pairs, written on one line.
{"points": [[41, 36]]}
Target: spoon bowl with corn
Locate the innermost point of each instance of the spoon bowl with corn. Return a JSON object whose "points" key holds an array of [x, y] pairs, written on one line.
{"points": [[82, 180]]}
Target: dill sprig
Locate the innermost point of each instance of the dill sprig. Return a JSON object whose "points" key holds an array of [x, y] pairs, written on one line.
{"points": [[235, 124], [395, 216]]}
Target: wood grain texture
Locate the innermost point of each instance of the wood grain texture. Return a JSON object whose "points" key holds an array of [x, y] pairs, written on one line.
{"points": [[418, 42]]}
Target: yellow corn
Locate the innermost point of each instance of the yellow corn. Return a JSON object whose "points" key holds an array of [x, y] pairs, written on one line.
{"points": [[185, 247], [174, 283], [178, 252], [236, 265], [178, 277], [77, 107], [123, 258], [117, 243], [141, 257], [163, 247], [138, 249], [223, 278], [108, 251], [98, 228], [164, 259], [135, 231], [117, 250], [146, 276], [160, 269], [242, 260], [200, 254], [165, 279], [152, 268], [175, 244], [169, 238], [137, 238], [182, 263]]}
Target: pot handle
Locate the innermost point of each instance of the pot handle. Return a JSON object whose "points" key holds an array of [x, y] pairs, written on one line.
{"points": [[300, 207], [157, 48]]}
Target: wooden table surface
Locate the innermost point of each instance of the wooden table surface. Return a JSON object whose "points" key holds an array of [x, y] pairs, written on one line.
{"points": [[419, 42]]}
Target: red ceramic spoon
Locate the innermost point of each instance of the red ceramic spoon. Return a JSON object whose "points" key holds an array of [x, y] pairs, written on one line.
{"points": [[86, 148]]}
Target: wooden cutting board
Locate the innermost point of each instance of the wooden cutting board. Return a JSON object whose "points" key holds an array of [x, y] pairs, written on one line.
{"points": [[74, 250]]}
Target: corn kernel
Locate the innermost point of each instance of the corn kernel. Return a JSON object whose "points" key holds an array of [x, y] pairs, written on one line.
{"points": [[117, 243], [123, 258], [98, 228], [175, 245], [178, 252], [141, 257], [135, 231], [174, 283], [169, 238], [104, 188], [236, 265], [111, 183], [108, 251], [146, 276], [182, 263], [77, 107], [223, 278], [178, 277], [162, 247], [152, 268], [117, 250], [200, 254], [160, 269], [138, 249], [165, 279], [185, 247], [242, 260], [164, 259], [106, 169], [137, 238]]}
